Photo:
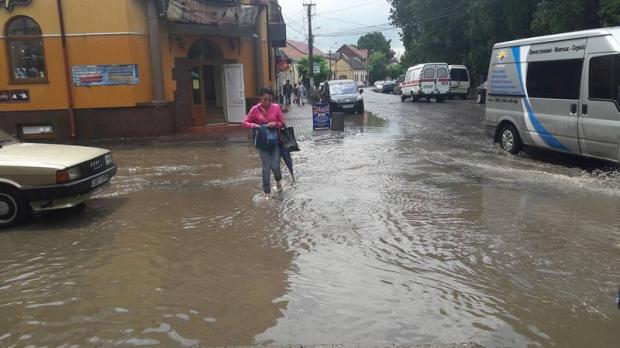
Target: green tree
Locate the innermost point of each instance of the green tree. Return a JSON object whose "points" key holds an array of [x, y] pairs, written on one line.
{"points": [[303, 70], [377, 66], [376, 42], [395, 70]]}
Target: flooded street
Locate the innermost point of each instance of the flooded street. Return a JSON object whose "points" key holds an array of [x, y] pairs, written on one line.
{"points": [[409, 228]]}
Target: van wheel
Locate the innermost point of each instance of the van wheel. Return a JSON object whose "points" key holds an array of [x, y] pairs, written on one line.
{"points": [[13, 208], [403, 98], [509, 140], [440, 98], [413, 98]]}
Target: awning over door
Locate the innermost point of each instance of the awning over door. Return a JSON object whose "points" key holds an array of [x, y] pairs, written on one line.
{"points": [[198, 17]]}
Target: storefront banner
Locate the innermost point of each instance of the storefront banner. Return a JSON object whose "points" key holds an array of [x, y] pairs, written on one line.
{"points": [[105, 75], [196, 11]]}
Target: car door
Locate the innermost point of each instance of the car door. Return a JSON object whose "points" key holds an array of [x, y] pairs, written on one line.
{"points": [[599, 124]]}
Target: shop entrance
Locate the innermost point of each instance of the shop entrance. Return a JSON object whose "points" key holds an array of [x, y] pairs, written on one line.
{"points": [[207, 83]]}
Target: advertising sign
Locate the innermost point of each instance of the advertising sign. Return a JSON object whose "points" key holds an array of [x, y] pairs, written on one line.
{"points": [[9, 4], [105, 75], [201, 12], [14, 96], [321, 116]]}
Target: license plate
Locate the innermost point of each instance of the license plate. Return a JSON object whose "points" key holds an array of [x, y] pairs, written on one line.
{"points": [[347, 106], [98, 181]]}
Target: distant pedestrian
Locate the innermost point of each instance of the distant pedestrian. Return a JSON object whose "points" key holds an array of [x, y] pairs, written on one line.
{"points": [[288, 91], [301, 91], [267, 114], [295, 90]]}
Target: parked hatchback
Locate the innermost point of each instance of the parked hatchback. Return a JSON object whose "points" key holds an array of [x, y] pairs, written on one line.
{"points": [[40, 177]]}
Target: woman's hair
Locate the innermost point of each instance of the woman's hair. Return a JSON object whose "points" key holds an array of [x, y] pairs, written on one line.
{"points": [[266, 90]]}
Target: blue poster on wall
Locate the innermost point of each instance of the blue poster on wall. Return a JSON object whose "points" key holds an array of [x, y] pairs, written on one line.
{"points": [[321, 116], [105, 75]]}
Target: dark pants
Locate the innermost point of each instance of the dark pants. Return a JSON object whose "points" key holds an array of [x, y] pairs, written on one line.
{"points": [[271, 162], [288, 99]]}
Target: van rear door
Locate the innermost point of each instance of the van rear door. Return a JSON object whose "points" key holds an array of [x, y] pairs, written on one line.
{"points": [[599, 124], [428, 82], [442, 84]]}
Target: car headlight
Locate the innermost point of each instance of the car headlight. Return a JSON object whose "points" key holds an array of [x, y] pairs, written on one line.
{"points": [[108, 159], [63, 176]]}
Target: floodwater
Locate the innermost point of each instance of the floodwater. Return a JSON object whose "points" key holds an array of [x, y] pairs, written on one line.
{"points": [[409, 228]]}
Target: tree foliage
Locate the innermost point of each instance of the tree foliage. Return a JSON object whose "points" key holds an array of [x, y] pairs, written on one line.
{"points": [[303, 69], [377, 66], [376, 42], [464, 31]]}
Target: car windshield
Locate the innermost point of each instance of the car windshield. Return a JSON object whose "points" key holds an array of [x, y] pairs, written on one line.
{"points": [[343, 88], [5, 138]]}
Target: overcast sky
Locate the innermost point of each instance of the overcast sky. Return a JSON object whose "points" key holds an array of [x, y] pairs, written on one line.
{"points": [[349, 19]]}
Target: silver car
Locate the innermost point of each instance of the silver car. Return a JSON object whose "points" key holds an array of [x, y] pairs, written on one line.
{"points": [[39, 177]]}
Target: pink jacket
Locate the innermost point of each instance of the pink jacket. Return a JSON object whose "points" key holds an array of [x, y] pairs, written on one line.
{"points": [[259, 116]]}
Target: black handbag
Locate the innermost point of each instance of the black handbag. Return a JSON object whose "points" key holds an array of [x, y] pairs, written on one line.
{"points": [[287, 138]]}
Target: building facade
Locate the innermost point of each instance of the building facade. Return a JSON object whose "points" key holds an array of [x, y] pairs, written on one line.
{"points": [[352, 64], [90, 69]]}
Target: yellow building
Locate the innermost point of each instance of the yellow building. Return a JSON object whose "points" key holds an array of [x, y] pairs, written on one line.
{"points": [[87, 69], [352, 64]]}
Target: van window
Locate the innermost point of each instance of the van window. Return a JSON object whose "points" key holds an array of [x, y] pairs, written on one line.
{"points": [[558, 79], [604, 78], [429, 73], [459, 75], [409, 77], [442, 73]]}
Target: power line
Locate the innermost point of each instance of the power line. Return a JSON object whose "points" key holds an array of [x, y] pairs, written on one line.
{"points": [[350, 7]]}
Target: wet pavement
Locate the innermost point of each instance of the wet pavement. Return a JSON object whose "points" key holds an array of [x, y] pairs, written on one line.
{"points": [[408, 228]]}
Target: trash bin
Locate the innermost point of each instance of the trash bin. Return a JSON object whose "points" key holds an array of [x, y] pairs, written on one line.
{"points": [[338, 121]]}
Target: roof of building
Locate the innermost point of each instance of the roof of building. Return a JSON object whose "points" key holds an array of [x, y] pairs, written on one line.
{"points": [[297, 50], [353, 50]]}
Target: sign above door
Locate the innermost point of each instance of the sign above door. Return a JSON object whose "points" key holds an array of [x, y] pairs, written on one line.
{"points": [[9, 4]]}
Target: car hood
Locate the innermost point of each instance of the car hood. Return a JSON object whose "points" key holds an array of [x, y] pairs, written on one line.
{"points": [[345, 98], [47, 155]]}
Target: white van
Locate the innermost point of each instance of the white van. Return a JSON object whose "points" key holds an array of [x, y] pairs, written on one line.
{"points": [[459, 81], [428, 80], [559, 92]]}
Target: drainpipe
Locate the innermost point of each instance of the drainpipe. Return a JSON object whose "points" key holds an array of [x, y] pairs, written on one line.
{"points": [[258, 52], [65, 56], [155, 48]]}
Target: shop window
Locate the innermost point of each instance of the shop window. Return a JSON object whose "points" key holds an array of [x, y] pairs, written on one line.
{"points": [[25, 50], [559, 79]]}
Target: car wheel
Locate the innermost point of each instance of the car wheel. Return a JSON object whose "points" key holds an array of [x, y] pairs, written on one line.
{"points": [[403, 98], [450, 96], [440, 98], [509, 140], [13, 208], [479, 98]]}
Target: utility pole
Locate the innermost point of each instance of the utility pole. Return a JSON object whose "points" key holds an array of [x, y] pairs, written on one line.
{"points": [[310, 43]]}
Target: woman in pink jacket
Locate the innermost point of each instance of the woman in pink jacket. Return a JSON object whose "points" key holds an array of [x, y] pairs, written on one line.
{"points": [[270, 114]]}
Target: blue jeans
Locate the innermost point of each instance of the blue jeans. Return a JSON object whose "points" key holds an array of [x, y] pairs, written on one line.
{"points": [[271, 162]]}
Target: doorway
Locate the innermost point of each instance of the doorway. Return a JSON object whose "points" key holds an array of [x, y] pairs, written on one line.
{"points": [[207, 96], [207, 85]]}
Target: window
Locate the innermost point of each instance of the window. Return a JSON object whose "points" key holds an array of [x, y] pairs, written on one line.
{"points": [[605, 77], [558, 79], [442, 73], [459, 75], [429, 73], [25, 50]]}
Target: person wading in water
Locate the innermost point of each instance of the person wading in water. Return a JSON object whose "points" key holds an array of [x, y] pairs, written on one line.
{"points": [[268, 114]]}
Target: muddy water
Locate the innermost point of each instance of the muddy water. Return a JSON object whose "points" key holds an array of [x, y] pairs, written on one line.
{"points": [[409, 228]]}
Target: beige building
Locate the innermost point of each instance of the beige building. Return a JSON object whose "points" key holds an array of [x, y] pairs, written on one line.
{"points": [[352, 64]]}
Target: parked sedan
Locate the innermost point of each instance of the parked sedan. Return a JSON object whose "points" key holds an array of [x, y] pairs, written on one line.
{"points": [[481, 93], [39, 177], [388, 87], [378, 86]]}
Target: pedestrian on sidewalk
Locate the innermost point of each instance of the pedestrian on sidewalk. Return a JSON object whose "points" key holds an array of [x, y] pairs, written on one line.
{"points": [[301, 91], [267, 114], [295, 92], [288, 91]]}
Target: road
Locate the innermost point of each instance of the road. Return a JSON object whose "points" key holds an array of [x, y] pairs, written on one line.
{"points": [[410, 227]]}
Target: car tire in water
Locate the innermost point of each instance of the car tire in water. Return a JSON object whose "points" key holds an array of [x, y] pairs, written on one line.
{"points": [[13, 208], [440, 98], [403, 98], [509, 140]]}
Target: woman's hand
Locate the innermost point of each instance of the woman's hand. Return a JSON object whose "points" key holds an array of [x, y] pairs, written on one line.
{"points": [[272, 124]]}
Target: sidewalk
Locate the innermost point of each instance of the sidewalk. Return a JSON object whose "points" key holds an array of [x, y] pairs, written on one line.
{"points": [[300, 118]]}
